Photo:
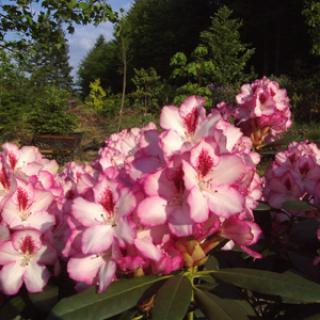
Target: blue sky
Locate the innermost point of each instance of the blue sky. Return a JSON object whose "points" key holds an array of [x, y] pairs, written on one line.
{"points": [[84, 37]]}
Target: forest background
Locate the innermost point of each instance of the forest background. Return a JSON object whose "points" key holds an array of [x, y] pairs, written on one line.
{"points": [[161, 51]]}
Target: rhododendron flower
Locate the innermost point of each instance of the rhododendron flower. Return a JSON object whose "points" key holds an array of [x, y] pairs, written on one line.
{"points": [[150, 203], [134, 149], [23, 259], [166, 202], [106, 217], [293, 175], [186, 125], [242, 233], [28, 207], [96, 269], [263, 111], [27, 160], [212, 181]]}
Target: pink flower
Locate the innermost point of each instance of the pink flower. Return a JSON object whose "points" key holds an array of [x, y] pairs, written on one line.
{"points": [[213, 181], [28, 207], [294, 175], [96, 269], [24, 259], [263, 111], [166, 202], [185, 126], [242, 233], [104, 218], [26, 161], [123, 148]]}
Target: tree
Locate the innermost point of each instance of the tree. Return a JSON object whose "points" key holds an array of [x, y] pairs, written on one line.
{"points": [[148, 89], [220, 59], [312, 16], [34, 19], [228, 54], [102, 62], [122, 34], [50, 64], [160, 28]]}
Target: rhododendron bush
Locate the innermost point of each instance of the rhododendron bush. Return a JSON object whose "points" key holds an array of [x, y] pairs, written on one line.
{"points": [[167, 224]]}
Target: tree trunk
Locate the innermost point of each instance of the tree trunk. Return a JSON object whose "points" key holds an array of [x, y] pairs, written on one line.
{"points": [[124, 83]]}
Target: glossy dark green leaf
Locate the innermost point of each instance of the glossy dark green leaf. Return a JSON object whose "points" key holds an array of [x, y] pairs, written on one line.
{"points": [[173, 299], [262, 207], [119, 297], [12, 308], [296, 205], [215, 307], [212, 263], [290, 287]]}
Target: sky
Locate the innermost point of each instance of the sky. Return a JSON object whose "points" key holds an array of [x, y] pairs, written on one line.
{"points": [[84, 37]]}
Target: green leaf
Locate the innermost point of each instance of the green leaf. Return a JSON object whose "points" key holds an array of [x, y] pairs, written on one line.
{"points": [[290, 287], [12, 308], [173, 299], [297, 205], [262, 207], [119, 297], [215, 307]]}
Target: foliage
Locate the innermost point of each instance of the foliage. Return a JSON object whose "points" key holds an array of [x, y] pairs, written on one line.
{"points": [[219, 60], [160, 28], [32, 97], [50, 112], [49, 64], [14, 102], [102, 62], [312, 16], [148, 89], [96, 98], [19, 17]]}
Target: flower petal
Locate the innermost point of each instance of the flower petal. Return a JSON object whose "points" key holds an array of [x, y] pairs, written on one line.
{"points": [[97, 239], [148, 249], [230, 169], [106, 275], [36, 277], [225, 201], [42, 201], [180, 222], [170, 119], [11, 278], [84, 269], [152, 211], [198, 204], [86, 212], [8, 254]]}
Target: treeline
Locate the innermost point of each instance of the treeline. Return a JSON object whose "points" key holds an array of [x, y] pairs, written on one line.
{"points": [[209, 47], [162, 51]]}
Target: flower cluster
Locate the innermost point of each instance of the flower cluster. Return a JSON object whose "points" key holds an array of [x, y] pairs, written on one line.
{"points": [[262, 111], [151, 203], [294, 175], [157, 202], [29, 199]]}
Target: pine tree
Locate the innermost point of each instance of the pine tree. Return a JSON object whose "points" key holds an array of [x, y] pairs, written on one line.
{"points": [[219, 60], [50, 65], [102, 62], [228, 54]]}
